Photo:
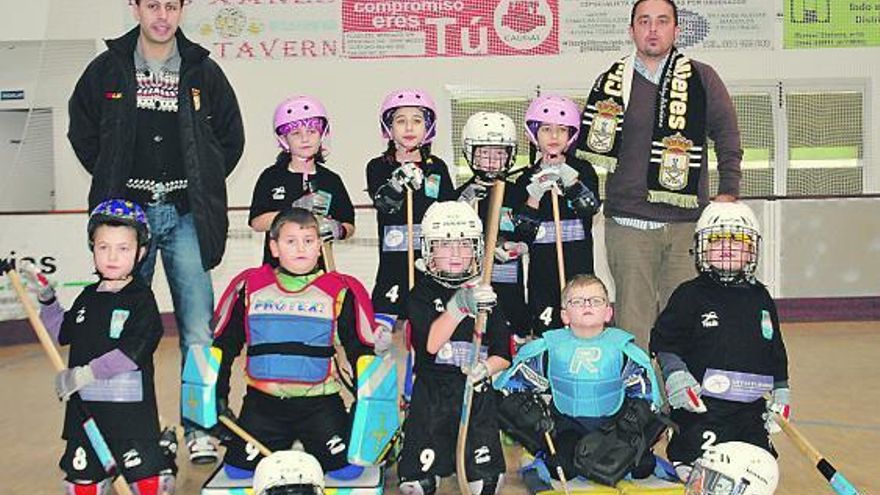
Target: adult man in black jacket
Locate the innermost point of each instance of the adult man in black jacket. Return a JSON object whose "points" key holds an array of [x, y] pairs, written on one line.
{"points": [[153, 119]]}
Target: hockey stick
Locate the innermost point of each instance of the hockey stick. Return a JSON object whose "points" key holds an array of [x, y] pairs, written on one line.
{"points": [[410, 242], [557, 224], [835, 478], [244, 435], [559, 471], [496, 199], [94, 435]]}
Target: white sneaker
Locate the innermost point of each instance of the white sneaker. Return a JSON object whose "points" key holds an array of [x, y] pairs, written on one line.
{"points": [[202, 449]]}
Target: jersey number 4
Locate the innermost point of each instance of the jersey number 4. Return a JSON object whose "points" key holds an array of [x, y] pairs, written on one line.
{"points": [[393, 294]]}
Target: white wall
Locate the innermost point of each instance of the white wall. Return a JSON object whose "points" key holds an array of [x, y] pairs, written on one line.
{"points": [[353, 89]]}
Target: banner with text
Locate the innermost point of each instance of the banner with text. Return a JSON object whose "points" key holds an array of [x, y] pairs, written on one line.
{"points": [[602, 25], [831, 24], [264, 29], [449, 28]]}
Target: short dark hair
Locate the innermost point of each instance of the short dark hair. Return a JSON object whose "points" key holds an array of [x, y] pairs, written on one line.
{"points": [[300, 216], [632, 14], [138, 2]]}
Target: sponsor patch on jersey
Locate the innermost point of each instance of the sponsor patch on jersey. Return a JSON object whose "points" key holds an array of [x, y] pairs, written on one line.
{"points": [[117, 322], [735, 386]]}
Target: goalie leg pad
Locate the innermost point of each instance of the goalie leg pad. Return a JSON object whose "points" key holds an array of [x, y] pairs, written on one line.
{"points": [[524, 417], [198, 391], [376, 418], [607, 455]]}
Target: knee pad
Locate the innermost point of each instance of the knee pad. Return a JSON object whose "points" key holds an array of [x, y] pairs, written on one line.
{"points": [[425, 486], [490, 486], [87, 487], [161, 484]]}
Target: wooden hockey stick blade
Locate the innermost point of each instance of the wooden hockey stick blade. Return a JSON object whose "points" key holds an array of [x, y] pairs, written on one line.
{"points": [[96, 438], [496, 200], [835, 478]]}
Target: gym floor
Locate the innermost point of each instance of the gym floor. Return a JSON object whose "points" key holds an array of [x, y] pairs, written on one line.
{"points": [[831, 366]]}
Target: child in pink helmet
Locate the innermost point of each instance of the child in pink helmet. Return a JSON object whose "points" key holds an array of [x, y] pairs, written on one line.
{"points": [[552, 124], [298, 177], [408, 119]]}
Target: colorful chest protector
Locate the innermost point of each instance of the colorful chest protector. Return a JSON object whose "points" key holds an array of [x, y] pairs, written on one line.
{"points": [[585, 374], [290, 334]]}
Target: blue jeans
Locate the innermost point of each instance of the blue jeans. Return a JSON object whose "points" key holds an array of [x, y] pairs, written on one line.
{"points": [[191, 290]]}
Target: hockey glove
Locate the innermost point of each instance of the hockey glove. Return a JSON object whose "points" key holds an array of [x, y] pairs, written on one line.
{"points": [[779, 403], [526, 223], [581, 199], [473, 192], [331, 230], [37, 282], [407, 176], [567, 175], [470, 300], [509, 250], [314, 202], [71, 380], [684, 392], [542, 182], [476, 373], [382, 340]]}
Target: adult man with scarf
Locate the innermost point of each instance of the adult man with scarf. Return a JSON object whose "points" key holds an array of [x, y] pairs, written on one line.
{"points": [[646, 122], [154, 120]]}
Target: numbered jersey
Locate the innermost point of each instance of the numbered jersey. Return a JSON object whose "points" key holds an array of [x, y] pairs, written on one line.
{"points": [[278, 187]]}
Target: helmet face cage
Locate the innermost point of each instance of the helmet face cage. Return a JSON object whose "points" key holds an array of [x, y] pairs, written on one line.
{"points": [[119, 212], [484, 129], [728, 253], [429, 247], [705, 481], [409, 98], [733, 468]]}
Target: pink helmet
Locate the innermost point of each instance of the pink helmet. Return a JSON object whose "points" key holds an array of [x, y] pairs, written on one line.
{"points": [[552, 109], [408, 98], [298, 108]]}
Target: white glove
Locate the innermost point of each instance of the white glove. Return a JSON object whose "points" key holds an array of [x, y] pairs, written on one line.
{"points": [[408, 176], [567, 175], [382, 340], [779, 403], [510, 250], [37, 282], [470, 300], [684, 392], [314, 202], [477, 373], [331, 230], [71, 380], [474, 191], [542, 182]]}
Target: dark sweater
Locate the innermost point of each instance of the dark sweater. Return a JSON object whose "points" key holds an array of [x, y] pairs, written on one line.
{"points": [[626, 190]]}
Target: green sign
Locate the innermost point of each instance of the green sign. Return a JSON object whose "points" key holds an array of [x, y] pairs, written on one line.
{"points": [[831, 23]]}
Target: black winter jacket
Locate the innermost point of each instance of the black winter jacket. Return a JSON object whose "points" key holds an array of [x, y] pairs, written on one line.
{"points": [[102, 132]]}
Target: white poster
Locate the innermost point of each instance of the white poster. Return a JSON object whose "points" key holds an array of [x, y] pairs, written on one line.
{"points": [[602, 25]]}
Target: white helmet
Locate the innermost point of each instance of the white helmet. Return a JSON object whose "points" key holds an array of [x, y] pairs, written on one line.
{"points": [[489, 129], [289, 472], [732, 221], [451, 220], [733, 468]]}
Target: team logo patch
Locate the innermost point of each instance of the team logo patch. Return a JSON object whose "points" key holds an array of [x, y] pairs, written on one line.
{"points": [[709, 320], [117, 322], [675, 162], [604, 128], [766, 325], [432, 186], [278, 193]]}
